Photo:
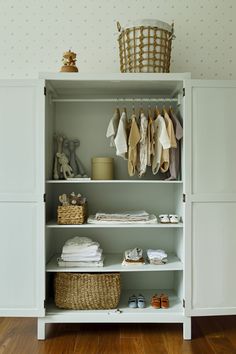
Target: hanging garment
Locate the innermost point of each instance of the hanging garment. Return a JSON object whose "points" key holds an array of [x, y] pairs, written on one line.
{"points": [[143, 147], [113, 127], [121, 137], [134, 137], [150, 140], [175, 153], [165, 156], [162, 141]]}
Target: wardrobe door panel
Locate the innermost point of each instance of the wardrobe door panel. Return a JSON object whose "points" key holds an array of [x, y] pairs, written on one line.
{"points": [[21, 137], [21, 292], [211, 197], [214, 135], [21, 197], [214, 261]]}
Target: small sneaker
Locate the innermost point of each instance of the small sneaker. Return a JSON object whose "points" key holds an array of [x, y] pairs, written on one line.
{"points": [[132, 302], [141, 301]]}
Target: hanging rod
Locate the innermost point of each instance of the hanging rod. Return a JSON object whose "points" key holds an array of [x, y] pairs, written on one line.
{"points": [[117, 100]]}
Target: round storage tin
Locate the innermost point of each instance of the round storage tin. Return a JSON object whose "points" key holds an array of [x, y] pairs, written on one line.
{"points": [[102, 168]]}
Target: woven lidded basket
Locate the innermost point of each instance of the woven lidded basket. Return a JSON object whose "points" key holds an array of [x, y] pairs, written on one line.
{"points": [[87, 291], [71, 214], [145, 47]]}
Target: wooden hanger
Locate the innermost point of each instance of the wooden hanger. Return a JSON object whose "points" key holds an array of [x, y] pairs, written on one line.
{"points": [[157, 111]]}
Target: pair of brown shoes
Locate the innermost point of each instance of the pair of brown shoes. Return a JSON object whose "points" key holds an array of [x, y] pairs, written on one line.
{"points": [[160, 301]]}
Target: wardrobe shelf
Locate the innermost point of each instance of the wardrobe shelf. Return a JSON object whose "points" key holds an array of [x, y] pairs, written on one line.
{"points": [[53, 224], [113, 181], [112, 263], [174, 313]]}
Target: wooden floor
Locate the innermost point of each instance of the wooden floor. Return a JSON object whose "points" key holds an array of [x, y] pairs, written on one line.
{"points": [[210, 335]]}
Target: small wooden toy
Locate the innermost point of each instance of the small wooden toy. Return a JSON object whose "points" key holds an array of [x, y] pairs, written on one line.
{"points": [[69, 60]]}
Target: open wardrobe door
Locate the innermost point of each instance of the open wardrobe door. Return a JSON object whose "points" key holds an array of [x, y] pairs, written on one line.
{"points": [[21, 197], [211, 198]]}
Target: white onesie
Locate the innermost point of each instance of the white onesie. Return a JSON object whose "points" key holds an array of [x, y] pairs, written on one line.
{"points": [[120, 140], [162, 141], [112, 127]]}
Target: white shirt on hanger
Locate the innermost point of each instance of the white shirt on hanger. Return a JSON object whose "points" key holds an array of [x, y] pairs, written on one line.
{"points": [[113, 127]]}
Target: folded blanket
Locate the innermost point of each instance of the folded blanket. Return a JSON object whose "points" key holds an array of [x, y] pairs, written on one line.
{"points": [[152, 219], [123, 216]]}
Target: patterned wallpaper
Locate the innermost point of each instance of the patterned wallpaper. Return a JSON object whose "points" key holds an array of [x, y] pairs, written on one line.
{"points": [[34, 34]]}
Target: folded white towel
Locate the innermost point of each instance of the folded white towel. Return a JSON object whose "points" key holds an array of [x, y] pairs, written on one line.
{"points": [[83, 255], [79, 241], [77, 258], [78, 244], [76, 249], [70, 264]]}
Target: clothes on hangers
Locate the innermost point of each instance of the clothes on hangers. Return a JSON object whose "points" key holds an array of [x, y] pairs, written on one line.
{"points": [[145, 141], [150, 139], [175, 152], [121, 137], [113, 127], [165, 156], [143, 145], [162, 141], [133, 140]]}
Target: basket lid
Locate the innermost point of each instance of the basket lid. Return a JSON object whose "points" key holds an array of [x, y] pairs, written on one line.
{"points": [[151, 22]]}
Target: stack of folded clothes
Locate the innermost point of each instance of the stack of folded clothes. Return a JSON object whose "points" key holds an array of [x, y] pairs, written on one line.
{"points": [[133, 257], [81, 252], [123, 217], [157, 256]]}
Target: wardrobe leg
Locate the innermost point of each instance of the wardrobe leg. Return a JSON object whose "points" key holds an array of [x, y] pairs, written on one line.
{"points": [[41, 329], [187, 328]]}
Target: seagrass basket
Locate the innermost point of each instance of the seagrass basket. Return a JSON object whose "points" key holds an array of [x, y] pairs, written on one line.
{"points": [[145, 47], [71, 214], [87, 291]]}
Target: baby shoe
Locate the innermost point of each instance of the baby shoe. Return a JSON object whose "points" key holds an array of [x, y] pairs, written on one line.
{"points": [[164, 218], [156, 301], [164, 301], [132, 302], [174, 219], [141, 301]]}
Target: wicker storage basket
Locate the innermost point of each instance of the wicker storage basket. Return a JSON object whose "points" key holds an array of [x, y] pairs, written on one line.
{"points": [[87, 291], [145, 47], [71, 214]]}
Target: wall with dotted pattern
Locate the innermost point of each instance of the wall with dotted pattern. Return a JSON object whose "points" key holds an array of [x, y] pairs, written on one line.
{"points": [[34, 34]]}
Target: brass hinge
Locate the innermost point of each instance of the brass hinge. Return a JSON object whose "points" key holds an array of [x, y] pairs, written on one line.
{"points": [[183, 303], [44, 197], [184, 198], [183, 91], [45, 91]]}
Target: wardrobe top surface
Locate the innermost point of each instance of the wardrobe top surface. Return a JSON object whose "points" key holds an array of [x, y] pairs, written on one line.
{"points": [[76, 84]]}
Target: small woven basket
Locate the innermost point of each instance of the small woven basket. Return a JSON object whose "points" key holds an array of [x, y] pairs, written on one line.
{"points": [[87, 291], [145, 48], [71, 214]]}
